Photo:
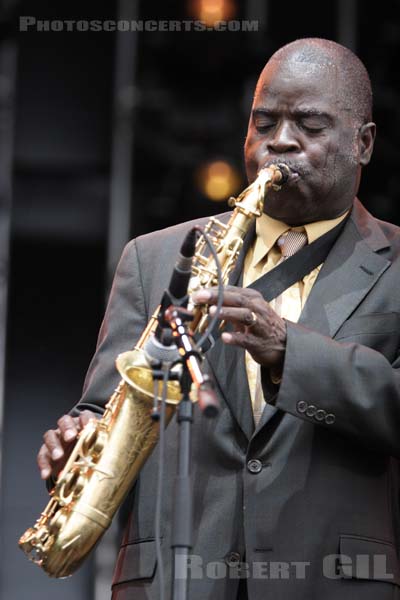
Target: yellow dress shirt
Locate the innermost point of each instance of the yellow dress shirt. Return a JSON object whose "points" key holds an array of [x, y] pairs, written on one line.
{"points": [[263, 256]]}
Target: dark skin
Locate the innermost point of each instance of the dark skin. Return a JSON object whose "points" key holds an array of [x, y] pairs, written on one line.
{"points": [[58, 443], [301, 117]]}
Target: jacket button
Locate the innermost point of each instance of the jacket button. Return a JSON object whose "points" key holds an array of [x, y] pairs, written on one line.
{"points": [[232, 559], [320, 414], [330, 419], [311, 410], [302, 406], [254, 466]]}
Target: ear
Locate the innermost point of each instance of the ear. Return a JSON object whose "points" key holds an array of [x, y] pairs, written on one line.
{"points": [[366, 142]]}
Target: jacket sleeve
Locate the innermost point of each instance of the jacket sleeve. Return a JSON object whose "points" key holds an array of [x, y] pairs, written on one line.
{"points": [[346, 387], [124, 320]]}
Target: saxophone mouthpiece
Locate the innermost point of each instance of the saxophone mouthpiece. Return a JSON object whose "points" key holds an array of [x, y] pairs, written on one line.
{"points": [[275, 175], [285, 172]]}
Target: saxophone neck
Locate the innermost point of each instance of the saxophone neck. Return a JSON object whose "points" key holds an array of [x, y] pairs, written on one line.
{"points": [[251, 200]]}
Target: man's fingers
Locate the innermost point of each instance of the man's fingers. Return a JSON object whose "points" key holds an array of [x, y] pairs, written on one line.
{"points": [[44, 462], [58, 443], [210, 296], [233, 296], [52, 440], [243, 316], [238, 338], [85, 417], [71, 426], [256, 326], [68, 428]]}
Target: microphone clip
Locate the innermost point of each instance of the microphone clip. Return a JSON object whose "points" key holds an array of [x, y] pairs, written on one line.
{"points": [[191, 358]]}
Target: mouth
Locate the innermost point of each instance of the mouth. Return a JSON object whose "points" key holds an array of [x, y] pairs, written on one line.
{"points": [[293, 177], [294, 172]]}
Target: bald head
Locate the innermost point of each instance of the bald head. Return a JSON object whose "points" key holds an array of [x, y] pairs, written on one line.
{"points": [[311, 111], [349, 71]]}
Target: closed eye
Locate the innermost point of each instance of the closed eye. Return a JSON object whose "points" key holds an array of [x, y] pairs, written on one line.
{"points": [[263, 125], [264, 128], [312, 129], [313, 123]]}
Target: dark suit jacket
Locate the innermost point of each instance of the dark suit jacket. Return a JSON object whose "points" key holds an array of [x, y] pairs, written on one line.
{"points": [[310, 498]]}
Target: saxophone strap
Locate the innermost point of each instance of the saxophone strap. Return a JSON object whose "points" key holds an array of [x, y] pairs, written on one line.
{"points": [[296, 267], [285, 274]]}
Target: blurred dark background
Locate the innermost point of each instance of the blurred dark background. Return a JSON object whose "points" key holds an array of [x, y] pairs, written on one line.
{"points": [[104, 136]]}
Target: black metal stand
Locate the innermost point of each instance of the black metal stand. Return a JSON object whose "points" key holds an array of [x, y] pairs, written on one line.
{"points": [[182, 522], [190, 359]]}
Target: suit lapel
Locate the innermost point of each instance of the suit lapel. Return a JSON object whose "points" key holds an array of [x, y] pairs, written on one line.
{"points": [[228, 364], [350, 271]]}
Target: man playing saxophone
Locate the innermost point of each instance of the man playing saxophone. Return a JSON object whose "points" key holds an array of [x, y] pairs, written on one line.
{"points": [[296, 481]]}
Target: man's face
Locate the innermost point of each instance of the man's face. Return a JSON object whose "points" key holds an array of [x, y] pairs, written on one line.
{"points": [[300, 117]]}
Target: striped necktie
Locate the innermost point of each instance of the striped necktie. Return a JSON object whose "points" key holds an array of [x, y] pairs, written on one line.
{"points": [[291, 242], [287, 305]]}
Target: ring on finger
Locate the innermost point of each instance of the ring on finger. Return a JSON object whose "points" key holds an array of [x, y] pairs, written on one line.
{"points": [[253, 320]]}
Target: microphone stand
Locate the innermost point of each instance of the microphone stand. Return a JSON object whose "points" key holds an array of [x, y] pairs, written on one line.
{"points": [[182, 525], [191, 373]]}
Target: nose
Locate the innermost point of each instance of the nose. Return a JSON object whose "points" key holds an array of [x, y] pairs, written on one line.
{"points": [[283, 139]]}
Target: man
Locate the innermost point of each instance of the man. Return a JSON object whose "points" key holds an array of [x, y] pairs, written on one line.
{"points": [[297, 480]]}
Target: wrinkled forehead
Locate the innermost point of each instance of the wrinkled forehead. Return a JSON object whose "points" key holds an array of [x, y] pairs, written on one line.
{"points": [[294, 78]]}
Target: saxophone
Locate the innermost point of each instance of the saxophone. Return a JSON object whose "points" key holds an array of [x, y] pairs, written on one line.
{"points": [[110, 451]]}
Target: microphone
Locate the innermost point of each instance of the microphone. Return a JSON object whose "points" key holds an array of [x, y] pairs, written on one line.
{"points": [[160, 346], [176, 293]]}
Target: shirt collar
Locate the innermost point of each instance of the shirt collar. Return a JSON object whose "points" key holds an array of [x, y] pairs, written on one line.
{"points": [[268, 230]]}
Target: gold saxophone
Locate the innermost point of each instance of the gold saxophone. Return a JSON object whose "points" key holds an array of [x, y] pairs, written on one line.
{"points": [[110, 452]]}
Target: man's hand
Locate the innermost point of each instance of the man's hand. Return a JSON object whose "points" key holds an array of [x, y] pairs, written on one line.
{"points": [[58, 443], [256, 326]]}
